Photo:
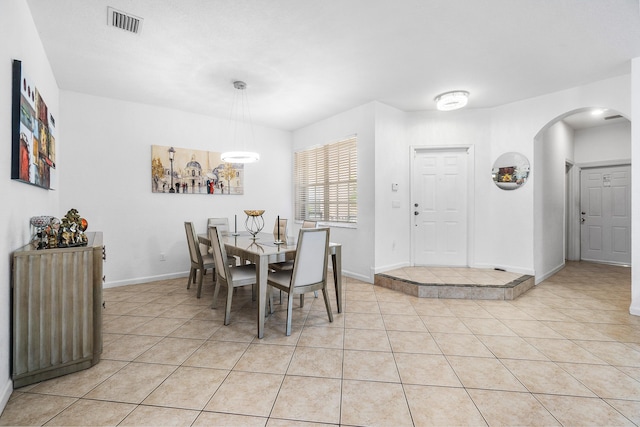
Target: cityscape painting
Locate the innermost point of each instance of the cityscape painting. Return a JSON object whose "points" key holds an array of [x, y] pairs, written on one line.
{"points": [[188, 171]]}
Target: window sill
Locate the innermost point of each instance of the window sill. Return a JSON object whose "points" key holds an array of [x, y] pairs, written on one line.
{"points": [[338, 225]]}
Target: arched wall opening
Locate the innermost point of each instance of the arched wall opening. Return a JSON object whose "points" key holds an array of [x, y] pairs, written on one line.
{"points": [[562, 149]]}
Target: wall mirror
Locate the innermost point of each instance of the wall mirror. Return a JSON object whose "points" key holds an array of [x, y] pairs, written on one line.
{"points": [[510, 171]]}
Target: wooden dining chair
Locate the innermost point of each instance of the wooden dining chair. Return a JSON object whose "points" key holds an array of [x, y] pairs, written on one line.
{"points": [[309, 224], [231, 277], [221, 223], [283, 229], [223, 229], [199, 261], [288, 265], [309, 271]]}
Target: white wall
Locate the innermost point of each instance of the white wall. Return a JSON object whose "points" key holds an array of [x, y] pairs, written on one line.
{"points": [[106, 175], [461, 128], [514, 128], [392, 208], [551, 150], [603, 144], [502, 222], [20, 201], [358, 244], [635, 188]]}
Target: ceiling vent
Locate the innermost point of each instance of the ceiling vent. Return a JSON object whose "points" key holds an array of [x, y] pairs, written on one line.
{"points": [[617, 116], [124, 21]]}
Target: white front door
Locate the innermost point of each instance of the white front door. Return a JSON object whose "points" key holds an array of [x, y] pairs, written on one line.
{"points": [[605, 205], [439, 222]]}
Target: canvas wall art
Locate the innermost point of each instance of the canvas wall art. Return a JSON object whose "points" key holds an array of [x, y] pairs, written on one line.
{"points": [[33, 148], [187, 171]]}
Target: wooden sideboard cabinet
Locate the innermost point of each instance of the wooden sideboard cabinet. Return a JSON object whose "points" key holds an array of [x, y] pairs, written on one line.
{"points": [[56, 310]]}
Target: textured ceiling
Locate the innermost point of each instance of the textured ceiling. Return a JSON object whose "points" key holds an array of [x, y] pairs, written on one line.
{"points": [[306, 60]]}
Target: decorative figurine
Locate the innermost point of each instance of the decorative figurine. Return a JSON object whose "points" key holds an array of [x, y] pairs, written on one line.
{"points": [[72, 230]]}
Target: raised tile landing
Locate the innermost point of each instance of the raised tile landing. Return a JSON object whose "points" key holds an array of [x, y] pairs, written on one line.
{"points": [[454, 282]]}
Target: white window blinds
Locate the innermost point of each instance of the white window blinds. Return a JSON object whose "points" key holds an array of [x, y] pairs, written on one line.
{"points": [[326, 182]]}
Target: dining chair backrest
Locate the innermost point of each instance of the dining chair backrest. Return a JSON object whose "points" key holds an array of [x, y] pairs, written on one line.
{"points": [[310, 264], [221, 223], [192, 241], [283, 228], [309, 224], [219, 252]]}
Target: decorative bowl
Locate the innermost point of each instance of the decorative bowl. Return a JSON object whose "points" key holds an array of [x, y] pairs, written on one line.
{"points": [[254, 212], [41, 221]]}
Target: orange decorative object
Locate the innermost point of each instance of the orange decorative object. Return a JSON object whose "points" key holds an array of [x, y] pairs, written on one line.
{"points": [[83, 224]]}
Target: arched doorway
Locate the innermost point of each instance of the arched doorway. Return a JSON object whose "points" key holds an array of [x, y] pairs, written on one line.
{"points": [[573, 142]]}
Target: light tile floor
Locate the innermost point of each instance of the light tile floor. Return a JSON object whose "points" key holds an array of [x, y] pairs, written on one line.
{"points": [[565, 353]]}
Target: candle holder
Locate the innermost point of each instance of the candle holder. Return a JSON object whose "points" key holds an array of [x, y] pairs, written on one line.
{"points": [[277, 235], [254, 222], [235, 226]]}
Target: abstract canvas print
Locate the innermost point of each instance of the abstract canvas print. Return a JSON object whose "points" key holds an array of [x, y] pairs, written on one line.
{"points": [[188, 171], [33, 148]]}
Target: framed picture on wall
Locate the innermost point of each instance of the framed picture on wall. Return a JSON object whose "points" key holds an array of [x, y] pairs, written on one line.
{"points": [[188, 171], [33, 128]]}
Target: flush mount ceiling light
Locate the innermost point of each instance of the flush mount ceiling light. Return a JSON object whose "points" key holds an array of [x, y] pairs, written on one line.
{"points": [[452, 100], [242, 128]]}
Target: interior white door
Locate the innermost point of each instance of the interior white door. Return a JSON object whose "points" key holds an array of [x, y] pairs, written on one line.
{"points": [[439, 229], [605, 204]]}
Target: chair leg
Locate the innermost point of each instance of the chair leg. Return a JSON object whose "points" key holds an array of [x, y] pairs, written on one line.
{"points": [[289, 313], [301, 300], [200, 284], [325, 294], [191, 278], [227, 308], [215, 293], [270, 291]]}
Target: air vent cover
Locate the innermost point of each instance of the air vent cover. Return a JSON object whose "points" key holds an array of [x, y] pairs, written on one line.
{"points": [[617, 116], [125, 21]]}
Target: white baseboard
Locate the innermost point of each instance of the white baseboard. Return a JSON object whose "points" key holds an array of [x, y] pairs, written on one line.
{"points": [[509, 268], [357, 276], [548, 274], [635, 309], [6, 394], [138, 280], [378, 270]]}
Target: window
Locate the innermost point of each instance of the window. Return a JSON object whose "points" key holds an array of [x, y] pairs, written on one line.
{"points": [[326, 183]]}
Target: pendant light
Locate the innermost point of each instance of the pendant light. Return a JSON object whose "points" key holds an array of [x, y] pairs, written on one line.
{"points": [[242, 128]]}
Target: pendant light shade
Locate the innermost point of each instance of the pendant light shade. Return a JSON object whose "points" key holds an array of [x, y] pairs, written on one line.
{"points": [[240, 157], [452, 100], [242, 128]]}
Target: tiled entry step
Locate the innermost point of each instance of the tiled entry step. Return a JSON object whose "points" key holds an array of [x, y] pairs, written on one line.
{"points": [[495, 291]]}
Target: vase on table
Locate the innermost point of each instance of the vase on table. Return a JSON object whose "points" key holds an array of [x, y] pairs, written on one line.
{"points": [[254, 222]]}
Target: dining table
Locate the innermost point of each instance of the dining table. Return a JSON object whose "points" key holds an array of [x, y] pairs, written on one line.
{"points": [[263, 250]]}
